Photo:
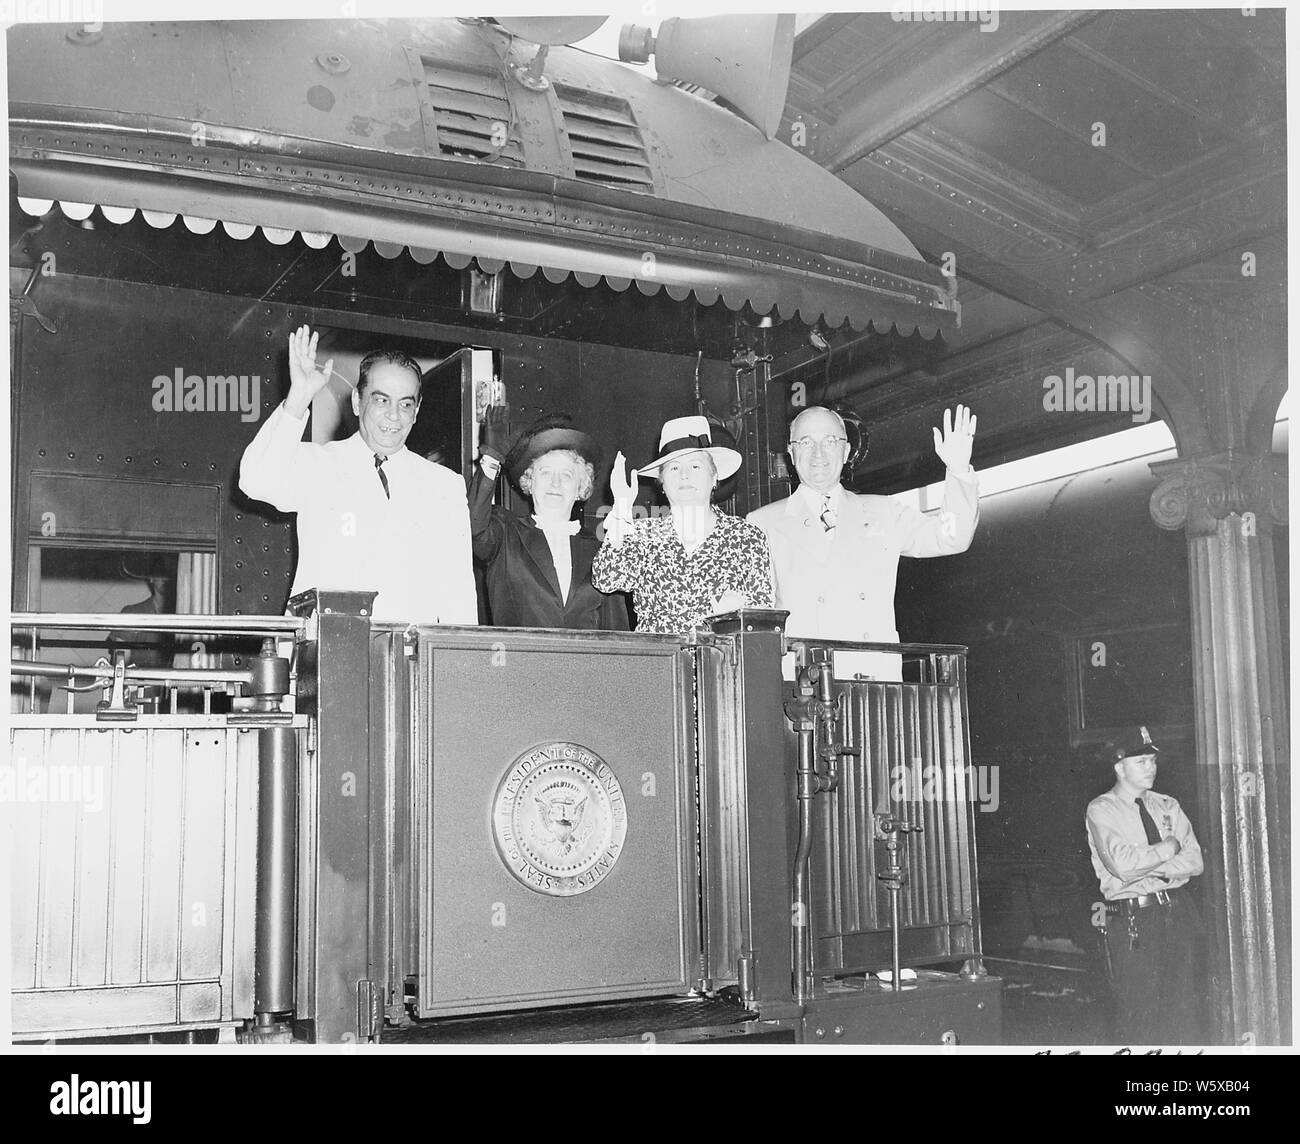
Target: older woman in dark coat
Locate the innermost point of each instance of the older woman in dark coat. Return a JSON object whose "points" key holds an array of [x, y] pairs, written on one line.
{"points": [[539, 567]]}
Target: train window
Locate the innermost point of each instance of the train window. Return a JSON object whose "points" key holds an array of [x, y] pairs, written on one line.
{"points": [[97, 580], [1130, 676]]}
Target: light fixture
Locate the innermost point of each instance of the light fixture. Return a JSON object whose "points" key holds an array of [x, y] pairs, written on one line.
{"points": [[484, 292]]}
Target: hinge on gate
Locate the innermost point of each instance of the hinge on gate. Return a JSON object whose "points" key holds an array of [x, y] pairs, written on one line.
{"points": [[369, 1010]]}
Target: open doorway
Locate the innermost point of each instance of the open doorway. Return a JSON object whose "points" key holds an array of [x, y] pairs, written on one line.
{"points": [[458, 382]]}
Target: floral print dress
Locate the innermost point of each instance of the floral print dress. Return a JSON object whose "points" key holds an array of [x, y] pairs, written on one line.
{"points": [[672, 591]]}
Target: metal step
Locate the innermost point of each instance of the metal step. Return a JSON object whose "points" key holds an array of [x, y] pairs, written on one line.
{"points": [[666, 1020]]}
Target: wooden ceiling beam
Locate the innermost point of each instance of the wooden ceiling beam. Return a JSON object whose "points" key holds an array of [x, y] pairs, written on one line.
{"points": [[1184, 222], [967, 60], [827, 28], [1141, 333], [1078, 133]]}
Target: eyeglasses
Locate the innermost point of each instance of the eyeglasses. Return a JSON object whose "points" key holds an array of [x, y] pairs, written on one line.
{"points": [[825, 444]]}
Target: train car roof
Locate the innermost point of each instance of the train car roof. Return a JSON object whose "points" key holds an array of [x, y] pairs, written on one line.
{"points": [[416, 134]]}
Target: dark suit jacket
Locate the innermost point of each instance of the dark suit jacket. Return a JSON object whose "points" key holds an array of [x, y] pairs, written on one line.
{"points": [[523, 591]]}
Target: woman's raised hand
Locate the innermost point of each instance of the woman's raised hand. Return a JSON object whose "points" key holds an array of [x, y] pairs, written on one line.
{"points": [[624, 490]]}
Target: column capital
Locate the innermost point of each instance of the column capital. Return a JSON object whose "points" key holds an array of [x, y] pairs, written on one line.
{"points": [[1198, 492]]}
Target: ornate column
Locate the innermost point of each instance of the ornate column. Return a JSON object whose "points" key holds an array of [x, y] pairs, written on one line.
{"points": [[1229, 504]]}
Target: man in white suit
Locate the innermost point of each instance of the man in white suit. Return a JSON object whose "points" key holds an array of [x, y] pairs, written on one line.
{"points": [[372, 516], [835, 553]]}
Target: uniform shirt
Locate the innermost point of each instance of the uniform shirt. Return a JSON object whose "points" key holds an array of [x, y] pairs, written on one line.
{"points": [[1125, 863], [413, 549], [673, 591]]}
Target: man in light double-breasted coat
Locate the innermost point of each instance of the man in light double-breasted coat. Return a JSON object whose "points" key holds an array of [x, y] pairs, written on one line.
{"points": [[835, 553]]}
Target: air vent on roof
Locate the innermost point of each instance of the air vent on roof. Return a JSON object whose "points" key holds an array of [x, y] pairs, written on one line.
{"points": [[472, 115], [605, 140]]}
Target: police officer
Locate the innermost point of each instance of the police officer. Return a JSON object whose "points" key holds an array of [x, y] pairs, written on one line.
{"points": [[1144, 852]]}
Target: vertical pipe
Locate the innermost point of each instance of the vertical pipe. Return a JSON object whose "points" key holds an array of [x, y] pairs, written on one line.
{"points": [[805, 798], [895, 953], [277, 797]]}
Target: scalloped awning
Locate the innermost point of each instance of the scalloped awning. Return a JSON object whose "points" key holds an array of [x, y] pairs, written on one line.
{"points": [[497, 228]]}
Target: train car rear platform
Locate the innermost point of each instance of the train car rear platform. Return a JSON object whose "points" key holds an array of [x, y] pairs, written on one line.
{"points": [[367, 838]]}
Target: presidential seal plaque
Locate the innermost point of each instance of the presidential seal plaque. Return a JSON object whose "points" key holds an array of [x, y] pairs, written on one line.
{"points": [[559, 819]]}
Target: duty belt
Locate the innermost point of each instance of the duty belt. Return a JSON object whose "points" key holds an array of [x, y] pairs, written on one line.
{"points": [[1141, 902]]}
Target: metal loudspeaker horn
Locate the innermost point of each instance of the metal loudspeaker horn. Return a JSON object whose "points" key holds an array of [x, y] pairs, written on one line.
{"points": [[744, 59]]}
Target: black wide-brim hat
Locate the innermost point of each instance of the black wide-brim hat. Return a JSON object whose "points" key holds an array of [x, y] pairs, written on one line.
{"points": [[550, 432]]}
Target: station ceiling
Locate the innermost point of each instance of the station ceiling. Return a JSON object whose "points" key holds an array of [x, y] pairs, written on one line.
{"points": [[1070, 168], [1070, 163]]}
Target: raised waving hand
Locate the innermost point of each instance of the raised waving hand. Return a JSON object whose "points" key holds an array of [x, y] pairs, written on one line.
{"points": [[305, 380], [958, 438]]}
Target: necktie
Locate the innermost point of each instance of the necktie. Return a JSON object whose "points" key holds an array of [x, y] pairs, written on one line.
{"points": [[1148, 823], [379, 468], [828, 514]]}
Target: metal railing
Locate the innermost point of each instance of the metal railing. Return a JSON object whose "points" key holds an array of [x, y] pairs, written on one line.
{"points": [[894, 863], [126, 685], [150, 848]]}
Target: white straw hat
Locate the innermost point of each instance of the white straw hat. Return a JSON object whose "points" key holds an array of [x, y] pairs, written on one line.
{"points": [[684, 435]]}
